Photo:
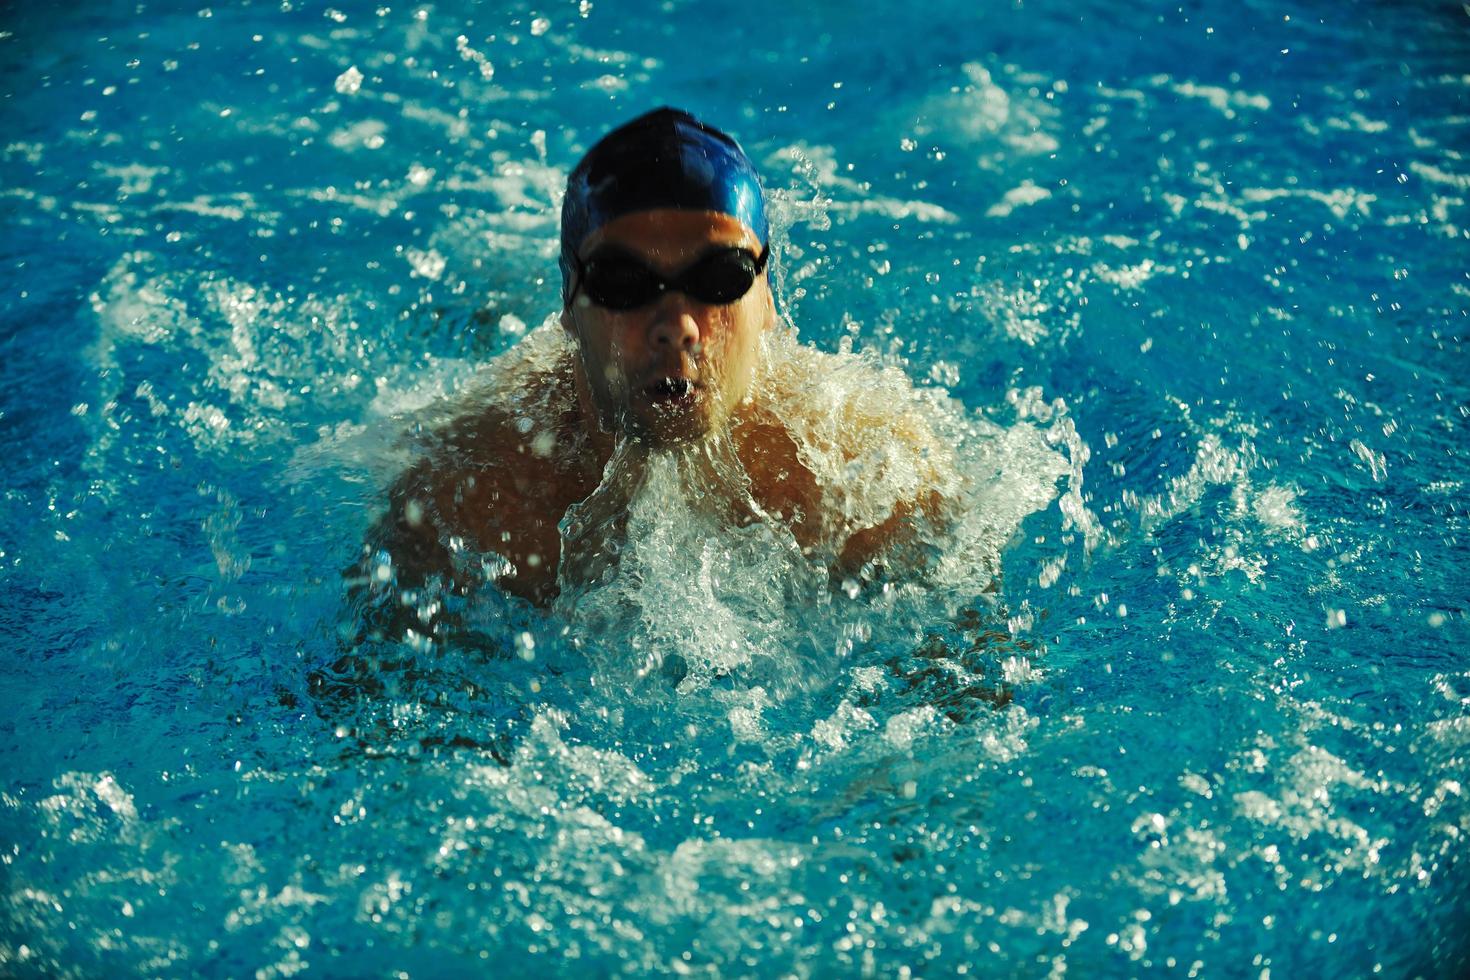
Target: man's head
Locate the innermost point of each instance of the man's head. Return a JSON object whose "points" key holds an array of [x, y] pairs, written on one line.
{"points": [[664, 248], [663, 159]]}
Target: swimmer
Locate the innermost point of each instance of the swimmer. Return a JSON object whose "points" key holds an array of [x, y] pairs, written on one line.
{"points": [[668, 342]]}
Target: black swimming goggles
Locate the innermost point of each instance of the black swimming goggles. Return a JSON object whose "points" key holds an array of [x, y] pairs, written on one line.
{"points": [[617, 280]]}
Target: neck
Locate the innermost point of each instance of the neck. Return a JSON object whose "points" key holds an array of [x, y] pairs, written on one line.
{"points": [[595, 436]]}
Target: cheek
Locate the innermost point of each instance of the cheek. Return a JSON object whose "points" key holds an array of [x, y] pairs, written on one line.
{"points": [[737, 344], [721, 339], [601, 345], [746, 329]]}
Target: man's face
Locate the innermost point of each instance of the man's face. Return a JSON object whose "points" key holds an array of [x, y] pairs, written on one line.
{"points": [[675, 368]]}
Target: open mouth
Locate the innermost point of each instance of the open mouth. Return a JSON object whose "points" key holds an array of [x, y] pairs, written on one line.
{"points": [[671, 391]]}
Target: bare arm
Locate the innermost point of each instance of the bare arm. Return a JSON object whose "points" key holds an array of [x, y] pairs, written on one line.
{"points": [[405, 564]]}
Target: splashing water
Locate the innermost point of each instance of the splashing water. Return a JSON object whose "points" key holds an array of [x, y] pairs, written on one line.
{"points": [[1180, 687]]}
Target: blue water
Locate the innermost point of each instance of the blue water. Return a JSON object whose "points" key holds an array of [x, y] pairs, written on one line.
{"points": [[1207, 263]]}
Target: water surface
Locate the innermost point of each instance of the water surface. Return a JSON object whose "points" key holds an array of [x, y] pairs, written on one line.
{"points": [[1193, 282]]}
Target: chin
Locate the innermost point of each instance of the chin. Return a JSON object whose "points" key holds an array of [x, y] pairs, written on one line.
{"points": [[672, 425], [667, 433]]}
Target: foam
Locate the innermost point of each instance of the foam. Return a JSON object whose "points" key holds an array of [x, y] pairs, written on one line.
{"points": [[671, 572]]}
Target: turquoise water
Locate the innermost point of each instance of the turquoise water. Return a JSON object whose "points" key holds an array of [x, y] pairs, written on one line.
{"points": [[1196, 283]]}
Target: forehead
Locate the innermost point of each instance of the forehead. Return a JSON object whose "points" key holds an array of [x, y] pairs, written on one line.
{"points": [[668, 236]]}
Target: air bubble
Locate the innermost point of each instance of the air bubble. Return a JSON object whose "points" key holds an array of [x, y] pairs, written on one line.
{"points": [[525, 645], [349, 82]]}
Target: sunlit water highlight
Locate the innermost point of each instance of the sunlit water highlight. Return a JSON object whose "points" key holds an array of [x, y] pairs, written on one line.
{"points": [[1187, 289]]}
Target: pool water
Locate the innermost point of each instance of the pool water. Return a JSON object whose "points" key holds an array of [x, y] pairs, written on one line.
{"points": [[1188, 287]]}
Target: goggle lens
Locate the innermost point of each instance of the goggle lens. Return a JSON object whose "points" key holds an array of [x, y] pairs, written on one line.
{"points": [[618, 281]]}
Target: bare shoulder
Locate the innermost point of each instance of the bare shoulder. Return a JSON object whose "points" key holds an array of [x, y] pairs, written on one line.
{"points": [[872, 462], [859, 423], [483, 502]]}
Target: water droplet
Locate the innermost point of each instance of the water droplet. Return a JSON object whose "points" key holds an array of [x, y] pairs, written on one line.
{"points": [[525, 646], [349, 82]]}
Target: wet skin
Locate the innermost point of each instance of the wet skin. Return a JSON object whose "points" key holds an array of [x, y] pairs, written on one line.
{"points": [[629, 357], [672, 372]]}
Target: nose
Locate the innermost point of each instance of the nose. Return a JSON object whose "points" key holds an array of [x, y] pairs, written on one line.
{"points": [[674, 324]]}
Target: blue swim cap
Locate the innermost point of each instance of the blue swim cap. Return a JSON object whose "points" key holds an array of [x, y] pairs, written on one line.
{"points": [[664, 159]]}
